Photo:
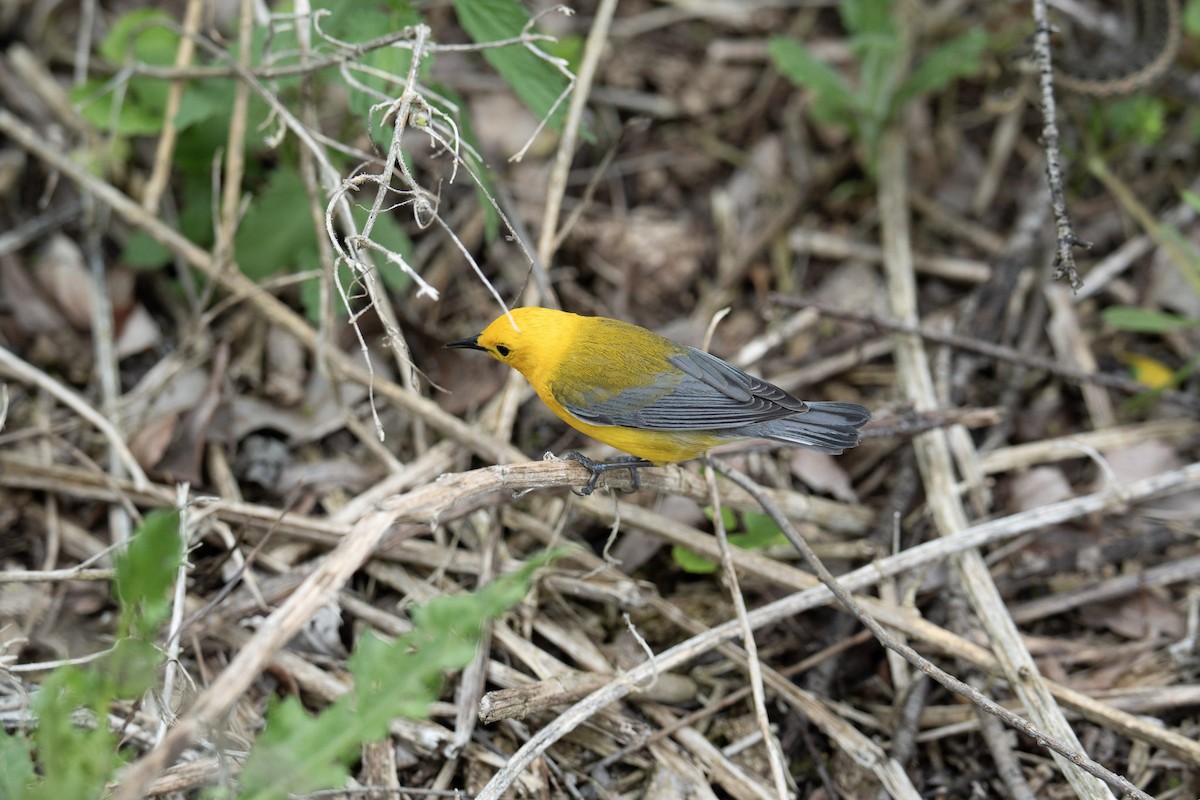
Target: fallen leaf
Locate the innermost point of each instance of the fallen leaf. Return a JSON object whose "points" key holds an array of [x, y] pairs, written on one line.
{"points": [[61, 271], [1038, 487], [139, 333], [822, 473]]}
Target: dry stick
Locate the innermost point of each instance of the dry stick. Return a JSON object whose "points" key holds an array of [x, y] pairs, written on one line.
{"points": [[52, 575], [1064, 261], [915, 658], [458, 494], [105, 350], [1177, 247], [842, 248], [310, 172], [730, 699], [988, 349], [235, 148], [913, 558], [1185, 570], [752, 663], [347, 52], [22, 473], [335, 569], [53, 519], [160, 173], [1155, 234], [937, 471], [27, 373], [474, 675], [174, 629], [557, 183], [237, 284], [863, 750], [356, 246], [454, 496]]}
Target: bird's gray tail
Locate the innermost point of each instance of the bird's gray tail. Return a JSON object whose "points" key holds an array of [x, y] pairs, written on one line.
{"points": [[824, 427]]}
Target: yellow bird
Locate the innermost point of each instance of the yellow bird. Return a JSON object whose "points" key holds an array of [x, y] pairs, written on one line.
{"points": [[658, 400]]}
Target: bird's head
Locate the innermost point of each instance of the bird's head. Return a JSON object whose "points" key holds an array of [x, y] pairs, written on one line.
{"points": [[537, 341]]}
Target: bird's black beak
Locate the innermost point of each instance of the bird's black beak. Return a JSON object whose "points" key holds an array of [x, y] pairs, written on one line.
{"points": [[467, 344]]}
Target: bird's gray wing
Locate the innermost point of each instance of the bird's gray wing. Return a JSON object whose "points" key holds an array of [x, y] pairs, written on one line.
{"points": [[693, 391]]}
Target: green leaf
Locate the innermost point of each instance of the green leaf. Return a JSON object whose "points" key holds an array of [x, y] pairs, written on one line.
{"points": [[143, 35], [202, 101], [538, 83], [728, 517], [361, 21], [1141, 320], [761, 531], [868, 17], [691, 562], [146, 572], [878, 55], [98, 105], [16, 766], [833, 100], [1142, 118], [299, 752], [960, 57], [75, 760], [143, 252], [277, 228], [1191, 17], [132, 666], [285, 756], [206, 110]]}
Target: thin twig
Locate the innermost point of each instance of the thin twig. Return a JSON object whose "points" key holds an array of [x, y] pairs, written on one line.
{"points": [[804, 600], [238, 285], [26, 373], [557, 182], [988, 349], [916, 659], [1064, 261], [104, 345], [937, 472], [174, 628], [215, 701], [163, 164], [752, 663]]}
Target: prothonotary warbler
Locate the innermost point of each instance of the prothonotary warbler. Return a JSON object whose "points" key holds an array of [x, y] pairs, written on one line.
{"points": [[648, 396]]}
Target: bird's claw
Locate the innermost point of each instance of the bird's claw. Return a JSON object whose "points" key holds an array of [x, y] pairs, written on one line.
{"points": [[597, 468]]}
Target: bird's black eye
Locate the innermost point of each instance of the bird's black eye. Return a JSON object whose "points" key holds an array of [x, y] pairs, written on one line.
{"points": [[502, 350]]}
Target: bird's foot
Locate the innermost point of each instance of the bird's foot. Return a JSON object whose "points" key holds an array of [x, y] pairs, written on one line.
{"points": [[598, 468]]}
